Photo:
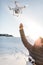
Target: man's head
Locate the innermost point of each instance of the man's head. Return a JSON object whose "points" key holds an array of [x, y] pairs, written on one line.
{"points": [[39, 42], [41, 39]]}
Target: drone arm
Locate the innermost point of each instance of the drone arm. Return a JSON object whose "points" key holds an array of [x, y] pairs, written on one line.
{"points": [[22, 7], [11, 8]]}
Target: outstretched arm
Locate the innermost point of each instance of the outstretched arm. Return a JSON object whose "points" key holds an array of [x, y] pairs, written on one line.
{"points": [[23, 37]]}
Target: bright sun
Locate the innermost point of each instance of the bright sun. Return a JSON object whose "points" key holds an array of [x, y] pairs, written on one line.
{"points": [[31, 28]]}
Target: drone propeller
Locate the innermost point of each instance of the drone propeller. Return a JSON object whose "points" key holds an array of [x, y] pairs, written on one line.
{"points": [[17, 4]]}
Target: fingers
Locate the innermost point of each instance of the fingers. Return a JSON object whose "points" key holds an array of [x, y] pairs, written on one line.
{"points": [[21, 26]]}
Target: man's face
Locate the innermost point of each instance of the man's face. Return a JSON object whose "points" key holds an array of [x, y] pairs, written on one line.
{"points": [[39, 42], [42, 41]]}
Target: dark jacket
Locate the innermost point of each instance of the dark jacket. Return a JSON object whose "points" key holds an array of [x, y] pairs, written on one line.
{"points": [[35, 52]]}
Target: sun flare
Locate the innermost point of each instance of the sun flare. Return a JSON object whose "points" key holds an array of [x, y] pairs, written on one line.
{"points": [[31, 28]]}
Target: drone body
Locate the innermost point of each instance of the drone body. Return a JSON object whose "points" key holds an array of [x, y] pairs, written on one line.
{"points": [[18, 9]]}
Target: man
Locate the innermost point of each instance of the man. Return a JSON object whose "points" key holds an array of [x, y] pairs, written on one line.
{"points": [[35, 51]]}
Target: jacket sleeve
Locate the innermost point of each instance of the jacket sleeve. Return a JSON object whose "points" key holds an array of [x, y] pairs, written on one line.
{"points": [[24, 40]]}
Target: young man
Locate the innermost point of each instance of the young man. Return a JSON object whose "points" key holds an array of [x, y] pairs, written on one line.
{"points": [[35, 51]]}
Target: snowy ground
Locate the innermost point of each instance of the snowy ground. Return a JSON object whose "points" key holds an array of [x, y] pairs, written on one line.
{"points": [[11, 59], [13, 52]]}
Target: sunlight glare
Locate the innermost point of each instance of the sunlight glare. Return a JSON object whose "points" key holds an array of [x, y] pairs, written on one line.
{"points": [[31, 28]]}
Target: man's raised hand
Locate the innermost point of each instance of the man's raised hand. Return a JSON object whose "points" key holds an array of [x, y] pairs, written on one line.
{"points": [[21, 26]]}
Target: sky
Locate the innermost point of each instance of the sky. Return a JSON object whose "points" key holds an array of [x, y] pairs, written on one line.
{"points": [[31, 17]]}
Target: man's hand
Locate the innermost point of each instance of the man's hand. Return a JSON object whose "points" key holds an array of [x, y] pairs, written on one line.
{"points": [[21, 26]]}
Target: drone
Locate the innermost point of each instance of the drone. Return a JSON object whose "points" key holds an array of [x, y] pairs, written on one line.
{"points": [[17, 9]]}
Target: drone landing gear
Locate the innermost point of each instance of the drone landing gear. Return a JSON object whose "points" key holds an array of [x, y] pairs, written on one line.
{"points": [[15, 15]]}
